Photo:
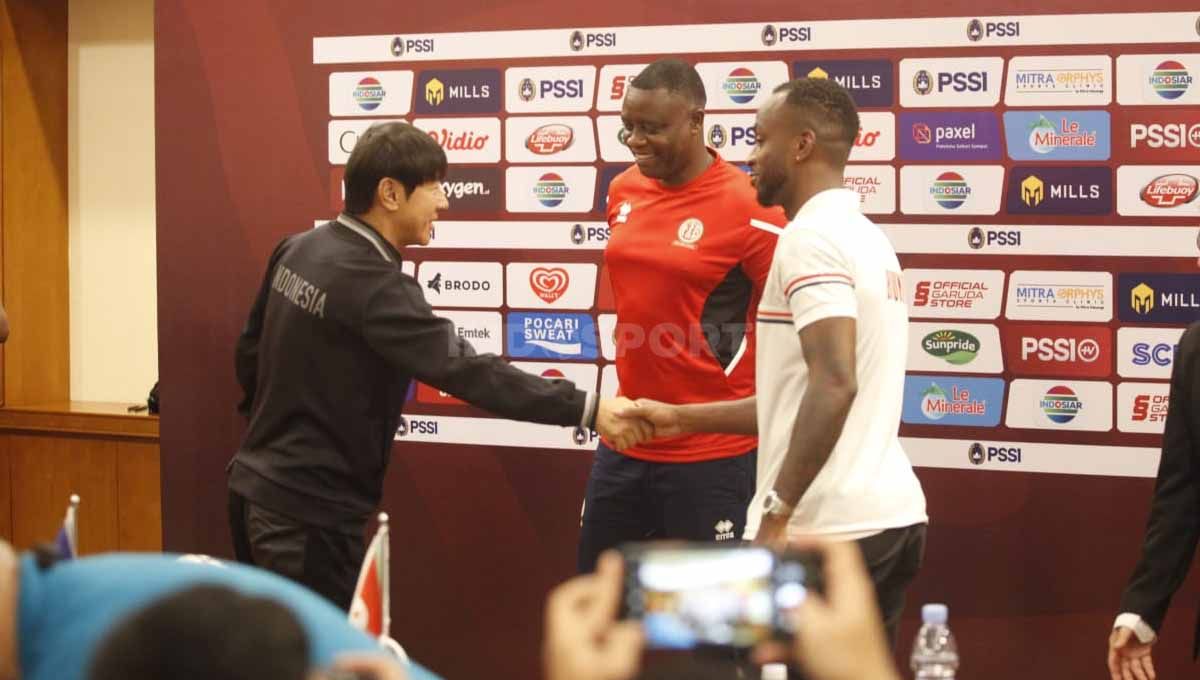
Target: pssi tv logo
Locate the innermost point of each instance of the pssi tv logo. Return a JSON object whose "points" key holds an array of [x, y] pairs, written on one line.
{"points": [[979, 454], [978, 30], [402, 46], [581, 41]]}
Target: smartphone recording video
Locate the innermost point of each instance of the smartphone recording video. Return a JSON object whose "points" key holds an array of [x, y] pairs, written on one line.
{"points": [[706, 595]]}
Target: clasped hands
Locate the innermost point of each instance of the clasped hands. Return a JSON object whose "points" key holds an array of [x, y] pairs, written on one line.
{"points": [[625, 423]]}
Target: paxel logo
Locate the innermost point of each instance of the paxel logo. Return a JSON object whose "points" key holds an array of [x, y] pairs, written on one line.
{"points": [[1078, 190], [551, 336], [950, 400], [979, 454], [1058, 349], [973, 81], [1169, 298], [1147, 352], [460, 91], [949, 136]]}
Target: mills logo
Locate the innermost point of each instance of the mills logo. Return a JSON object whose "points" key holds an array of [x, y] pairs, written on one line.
{"points": [[1142, 299], [956, 347], [950, 190], [1170, 79], [1060, 404], [1169, 191], [369, 94], [549, 284], [741, 85], [435, 92], [551, 190], [1033, 191], [550, 139]]}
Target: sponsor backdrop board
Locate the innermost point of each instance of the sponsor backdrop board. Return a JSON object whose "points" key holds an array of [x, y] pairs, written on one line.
{"points": [[1039, 176]]}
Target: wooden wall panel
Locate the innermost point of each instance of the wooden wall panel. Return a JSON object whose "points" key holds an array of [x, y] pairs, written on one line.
{"points": [[139, 497], [33, 184], [46, 470], [6, 525]]}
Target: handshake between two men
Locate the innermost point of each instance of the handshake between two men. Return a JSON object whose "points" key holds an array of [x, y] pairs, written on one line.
{"points": [[626, 423]]}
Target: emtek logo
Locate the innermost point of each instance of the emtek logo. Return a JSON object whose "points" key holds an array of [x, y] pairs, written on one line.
{"points": [[1142, 299]]}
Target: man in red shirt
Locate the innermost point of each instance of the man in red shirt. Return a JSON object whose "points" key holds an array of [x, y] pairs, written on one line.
{"points": [[688, 255]]}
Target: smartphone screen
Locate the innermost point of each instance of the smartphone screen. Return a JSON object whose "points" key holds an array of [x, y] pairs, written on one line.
{"points": [[694, 595]]}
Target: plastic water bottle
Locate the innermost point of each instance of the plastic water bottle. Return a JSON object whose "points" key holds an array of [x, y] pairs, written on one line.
{"points": [[934, 655]]}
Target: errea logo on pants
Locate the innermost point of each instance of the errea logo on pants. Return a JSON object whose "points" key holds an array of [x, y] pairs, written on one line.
{"points": [[724, 530]]}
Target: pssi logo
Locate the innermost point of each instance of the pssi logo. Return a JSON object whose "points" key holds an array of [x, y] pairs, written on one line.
{"points": [[581, 40], [402, 46]]}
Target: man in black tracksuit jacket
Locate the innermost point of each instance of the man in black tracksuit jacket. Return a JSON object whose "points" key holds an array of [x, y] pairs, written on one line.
{"points": [[335, 336]]}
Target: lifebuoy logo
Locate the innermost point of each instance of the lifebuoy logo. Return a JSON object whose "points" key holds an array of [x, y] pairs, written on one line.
{"points": [[565, 139], [557, 285], [1059, 350], [953, 293], [1158, 190]]}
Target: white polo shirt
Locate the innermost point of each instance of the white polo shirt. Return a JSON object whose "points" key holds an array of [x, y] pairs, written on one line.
{"points": [[831, 261]]}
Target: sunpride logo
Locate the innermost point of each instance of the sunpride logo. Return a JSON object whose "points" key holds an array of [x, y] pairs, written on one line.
{"points": [[956, 347]]}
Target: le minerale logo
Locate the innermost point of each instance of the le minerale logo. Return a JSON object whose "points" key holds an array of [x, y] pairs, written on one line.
{"points": [[956, 347]]}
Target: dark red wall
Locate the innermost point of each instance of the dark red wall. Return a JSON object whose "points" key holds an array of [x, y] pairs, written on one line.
{"points": [[1031, 565]]}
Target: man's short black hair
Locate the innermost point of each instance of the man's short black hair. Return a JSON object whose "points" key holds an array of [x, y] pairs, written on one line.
{"points": [[827, 106], [673, 75], [397, 150], [204, 633]]}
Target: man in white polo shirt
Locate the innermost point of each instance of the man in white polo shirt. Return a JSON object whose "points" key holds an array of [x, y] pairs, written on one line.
{"points": [[832, 344]]}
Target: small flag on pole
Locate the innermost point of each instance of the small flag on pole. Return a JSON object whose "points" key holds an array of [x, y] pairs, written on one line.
{"points": [[370, 608], [67, 540]]}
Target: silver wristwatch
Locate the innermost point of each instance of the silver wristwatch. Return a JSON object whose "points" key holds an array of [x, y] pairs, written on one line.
{"points": [[773, 504]]}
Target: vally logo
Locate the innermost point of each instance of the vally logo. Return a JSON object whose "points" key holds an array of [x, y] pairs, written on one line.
{"points": [[1061, 404], [716, 136], [769, 35], [435, 92], [549, 284], [1169, 191], [975, 30], [526, 90], [1142, 298], [576, 41], [950, 190], [1170, 79], [551, 190], [741, 85], [550, 139], [975, 453], [397, 47], [955, 347], [923, 82], [975, 238], [369, 94]]}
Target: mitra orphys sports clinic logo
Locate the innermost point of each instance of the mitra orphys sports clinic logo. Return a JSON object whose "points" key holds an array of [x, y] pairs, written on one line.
{"points": [[741, 85], [1060, 404], [1170, 80], [369, 94], [549, 284], [950, 190], [954, 346], [551, 190]]}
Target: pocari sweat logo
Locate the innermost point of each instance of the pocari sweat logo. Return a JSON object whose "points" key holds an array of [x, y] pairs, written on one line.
{"points": [[551, 336]]}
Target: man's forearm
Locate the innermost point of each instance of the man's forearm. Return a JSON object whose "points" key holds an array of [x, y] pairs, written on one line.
{"points": [[730, 417], [819, 421]]}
